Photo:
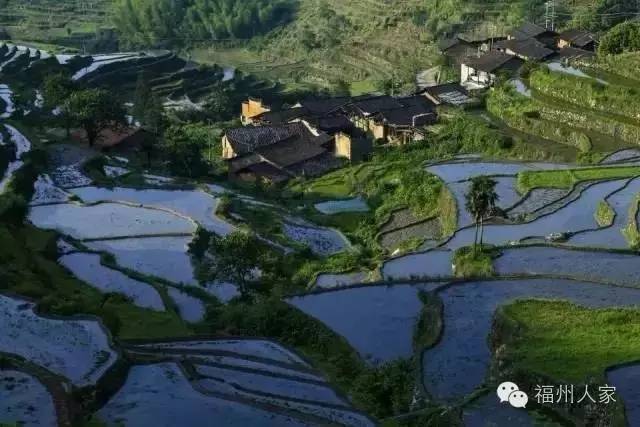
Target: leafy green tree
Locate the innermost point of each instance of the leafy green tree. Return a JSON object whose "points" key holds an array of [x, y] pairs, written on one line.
{"points": [[623, 37], [95, 110], [220, 104], [183, 147], [481, 199], [141, 97], [56, 90], [234, 258]]}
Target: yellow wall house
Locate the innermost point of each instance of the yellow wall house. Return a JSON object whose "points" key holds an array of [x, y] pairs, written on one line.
{"points": [[252, 108]]}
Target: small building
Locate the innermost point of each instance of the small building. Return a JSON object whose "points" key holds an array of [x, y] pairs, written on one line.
{"points": [[449, 94], [578, 39], [528, 50], [278, 153], [455, 50], [481, 72], [252, 108], [394, 120], [529, 30]]}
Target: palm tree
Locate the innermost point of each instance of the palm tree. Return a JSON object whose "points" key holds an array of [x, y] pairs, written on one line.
{"points": [[481, 199]]}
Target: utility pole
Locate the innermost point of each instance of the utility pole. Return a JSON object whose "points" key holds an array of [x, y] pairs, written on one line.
{"points": [[550, 15]]}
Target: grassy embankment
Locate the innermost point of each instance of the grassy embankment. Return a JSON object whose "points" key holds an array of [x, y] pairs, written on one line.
{"points": [[631, 231], [590, 121], [604, 214], [529, 180], [567, 342], [470, 263]]}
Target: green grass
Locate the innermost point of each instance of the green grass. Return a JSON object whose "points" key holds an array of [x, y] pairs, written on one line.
{"points": [[604, 214], [631, 231], [568, 342], [429, 325], [529, 180], [472, 263]]}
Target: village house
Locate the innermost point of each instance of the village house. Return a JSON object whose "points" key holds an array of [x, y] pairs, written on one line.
{"points": [[279, 152], [481, 72], [528, 49], [577, 39], [392, 120], [528, 31], [449, 94], [252, 108]]}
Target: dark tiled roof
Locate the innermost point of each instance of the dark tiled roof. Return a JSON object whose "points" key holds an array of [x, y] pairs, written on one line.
{"points": [[247, 139], [322, 106], [446, 44], [573, 53], [266, 170], [449, 93], [490, 61], [315, 166], [334, 123], [527, 30], [530, 48], [411, 116], [578, 38], [280, 116], [290, 152], [376, 104]]}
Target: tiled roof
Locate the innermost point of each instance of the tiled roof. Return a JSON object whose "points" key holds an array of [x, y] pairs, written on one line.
{"points": [[578, 38], [490, 61], [530, 48], [321, 106], [376, 104], [280, 116], [527, 30], [247, 139], [290, 152]]}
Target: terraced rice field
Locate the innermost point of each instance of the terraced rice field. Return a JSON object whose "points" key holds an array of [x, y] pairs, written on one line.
{"points": [[25, 401], [79, 350], [248, 382]]}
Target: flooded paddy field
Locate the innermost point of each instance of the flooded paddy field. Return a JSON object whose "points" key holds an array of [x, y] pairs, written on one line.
{"points": [[79, 350]]}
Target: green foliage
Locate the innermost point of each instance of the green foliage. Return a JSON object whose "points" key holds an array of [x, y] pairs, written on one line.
{"points": [[382, 391], [523, 114], [474, 263], [234, 258], [481, 201], [590, 93], [430, 324], [604, 214], [564, 341], [632, 231], [624, 37], [528, 180], [173, 23], [95, 110], [183, 147], [385, 390]]}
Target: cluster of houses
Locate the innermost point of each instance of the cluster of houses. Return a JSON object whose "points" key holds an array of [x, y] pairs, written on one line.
{"points": [[316, 135], [482, 61]]}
